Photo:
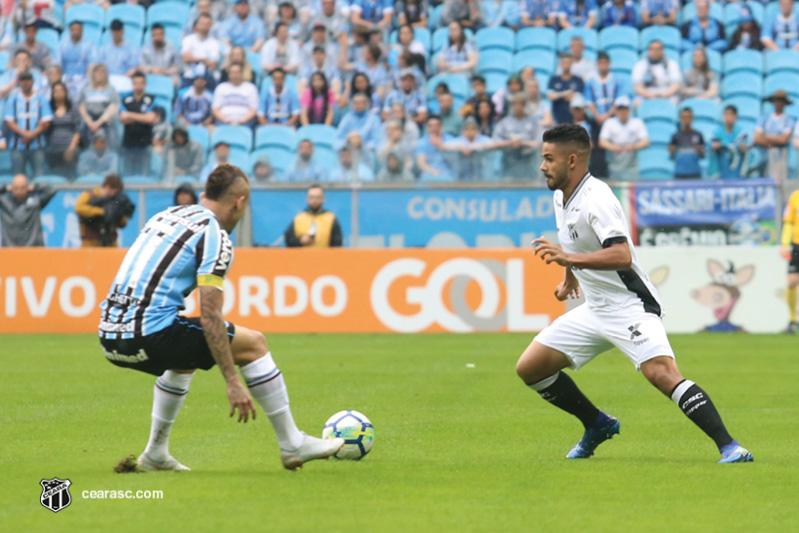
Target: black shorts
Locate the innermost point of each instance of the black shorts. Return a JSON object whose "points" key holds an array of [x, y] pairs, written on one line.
{"points": [[181, 346], [793, 264]]}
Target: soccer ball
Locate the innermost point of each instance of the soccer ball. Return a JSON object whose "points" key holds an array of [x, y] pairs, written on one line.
{"points": [[356, 430]]}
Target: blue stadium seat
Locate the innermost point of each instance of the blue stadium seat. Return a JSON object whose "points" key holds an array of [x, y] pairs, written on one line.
{"points": [[782, 61], [132, 36], [657, 110], [748, 108], [732, 15], [543, 82], [325, 156], [254, 156], [494, 60], [654, 163], [458, 85], [173, 34], [4, 59], [276, 136], [91, 179], [590, 38], [201, 135], [88, 14], [742, 84], [161, 86], [536, 39], [495, 38], [52, 179], [132, 16], [707, 128], [6, 179], [318, 134], [788, 81], [622, 60], [441, 38], [495, 81], [660, 133], [703, 108], [736, 61], [281, 161], [142, 180], [713, 59], [434, 17], [254, 59], [235, 136], [5, 161], [46, 36], [623, 37], [668, 35], [169, 14], [541, 60]]}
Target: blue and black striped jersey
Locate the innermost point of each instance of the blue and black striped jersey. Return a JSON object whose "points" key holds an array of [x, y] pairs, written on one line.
{"points": [[177, 248]]}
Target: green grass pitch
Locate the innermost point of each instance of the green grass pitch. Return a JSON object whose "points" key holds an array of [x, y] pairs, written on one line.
{"points": [[457, 448]]}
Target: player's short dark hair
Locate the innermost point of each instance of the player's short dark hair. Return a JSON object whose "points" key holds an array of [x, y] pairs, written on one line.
{"points": [[731, 108], [221, 179], [315, 186], [114, 181], [568, 133], [603, 55], [157, 26], [138, 74]]}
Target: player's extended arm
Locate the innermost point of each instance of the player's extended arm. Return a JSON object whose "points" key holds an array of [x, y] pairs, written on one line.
{"points": [[569, 287], [213, 323], [615, 256]]}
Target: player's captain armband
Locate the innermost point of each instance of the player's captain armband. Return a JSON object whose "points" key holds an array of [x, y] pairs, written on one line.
{"points": [[210, 281]]}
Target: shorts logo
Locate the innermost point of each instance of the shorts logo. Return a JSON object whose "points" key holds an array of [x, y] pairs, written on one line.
{"points": [[55, 494], [634, 331]]}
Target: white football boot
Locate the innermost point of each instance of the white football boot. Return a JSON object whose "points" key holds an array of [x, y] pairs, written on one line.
{"points": [[310, 449], [145, 464]]}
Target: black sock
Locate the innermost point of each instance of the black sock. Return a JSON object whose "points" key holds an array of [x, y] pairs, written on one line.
{"points": [[562, 392], [697, 406]]}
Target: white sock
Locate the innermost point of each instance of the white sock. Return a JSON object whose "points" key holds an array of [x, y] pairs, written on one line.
{"points": [[269, 390], [169, 394]]}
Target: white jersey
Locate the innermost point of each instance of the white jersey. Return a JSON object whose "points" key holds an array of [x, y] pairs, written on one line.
{"points": [[591, 220]]}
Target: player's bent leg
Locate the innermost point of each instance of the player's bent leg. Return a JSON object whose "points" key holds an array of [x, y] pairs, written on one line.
{"points": [[169, 395], [540, 368], [268, 388], [696, 404]]}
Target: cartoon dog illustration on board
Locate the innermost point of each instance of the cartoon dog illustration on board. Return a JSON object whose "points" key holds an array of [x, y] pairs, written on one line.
{"points": [[723, 293]]}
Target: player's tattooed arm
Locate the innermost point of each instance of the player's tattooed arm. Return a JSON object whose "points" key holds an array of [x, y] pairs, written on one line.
{"points": [[213, 323]]}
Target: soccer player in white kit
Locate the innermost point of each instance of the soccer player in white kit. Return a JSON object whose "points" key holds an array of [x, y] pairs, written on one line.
{"points": [[622, 306]]}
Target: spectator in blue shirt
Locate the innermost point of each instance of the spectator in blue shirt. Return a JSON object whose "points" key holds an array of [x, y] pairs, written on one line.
{"points": [[659, 12], [374, 69], [74, 54], [538, 13], [459, 57], [772, 134], [703, 30], [730, 145], [305, 167], [348, 171], [362, 120], [194, 104], [687, 147], [602, 90], [279, 104], [120, 57], [562, 88], [221, 156], [27, 116], [577, 13], [619, 13], [243, 29], [430, 158], [98, 160], [374, 14], [9, 80], [781, 30], [411, 98]]}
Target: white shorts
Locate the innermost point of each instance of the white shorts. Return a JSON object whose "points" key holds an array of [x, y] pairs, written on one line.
{"points": [[582, 334]]}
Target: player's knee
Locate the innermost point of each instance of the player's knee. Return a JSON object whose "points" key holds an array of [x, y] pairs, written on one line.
{"points": [[661, 372]]}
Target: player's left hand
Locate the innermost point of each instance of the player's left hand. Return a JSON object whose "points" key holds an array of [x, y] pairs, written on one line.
{"points": [[550, 252], [240, 399]]}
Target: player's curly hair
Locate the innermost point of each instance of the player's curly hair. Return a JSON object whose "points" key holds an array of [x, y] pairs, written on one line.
{"points": [[221, 179]]}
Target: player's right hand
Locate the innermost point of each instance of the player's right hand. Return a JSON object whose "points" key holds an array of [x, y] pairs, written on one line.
{"points": [[240, 399], [565, 291]]}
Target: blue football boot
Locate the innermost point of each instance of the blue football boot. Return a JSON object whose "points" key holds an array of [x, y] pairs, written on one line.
{"points": [[735, 453], [603, 429]]}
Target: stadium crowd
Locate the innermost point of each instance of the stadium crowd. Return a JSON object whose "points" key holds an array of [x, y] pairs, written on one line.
{"points": [[378, 90]]}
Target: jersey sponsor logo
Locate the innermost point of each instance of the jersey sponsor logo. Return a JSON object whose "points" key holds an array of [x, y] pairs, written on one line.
{"points": [[55, 494], [111, 327], [225, 255], [113, 355]]}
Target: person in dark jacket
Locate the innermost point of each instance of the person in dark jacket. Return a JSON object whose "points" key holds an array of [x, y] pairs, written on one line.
{"points": [[314, 227], [20, 209]]}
